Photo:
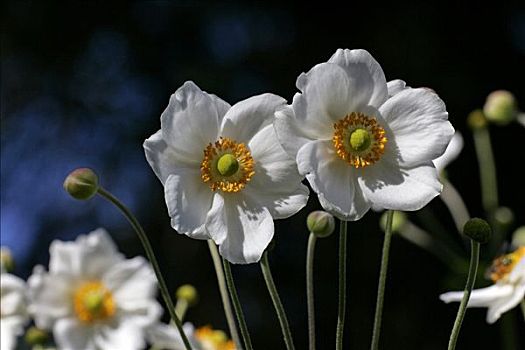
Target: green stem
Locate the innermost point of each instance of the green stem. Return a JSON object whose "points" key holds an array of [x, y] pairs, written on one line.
{"points": [[382, 281], [224, 294], [279, 309], [474, 261], [151, 256], [180, 308], [487, 170], [522, 304], [310, 289], [237, 305], [342, 286], [455, 204]]}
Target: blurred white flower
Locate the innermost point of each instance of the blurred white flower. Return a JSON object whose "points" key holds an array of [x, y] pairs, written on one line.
{"points": [[363, 142], [167, 337], [92, 297], [451, 153], [13, 310], [508, 274], [224, 173]]}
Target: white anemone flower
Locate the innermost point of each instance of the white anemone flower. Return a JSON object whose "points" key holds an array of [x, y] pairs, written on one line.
{"points": [[167, 337], [508, 291], [363, 142], [13, 310], [92, 297], [224, 172], [451, 153]]}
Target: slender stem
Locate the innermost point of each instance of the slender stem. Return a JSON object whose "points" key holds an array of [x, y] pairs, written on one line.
{"points": [[382, 281], [522, 304], [455, 204], [237, 305], [151, 256], [224, 294], [474, 260], [342, 286], [279, 309], [180, 308], [310, 289], [487, 169]]}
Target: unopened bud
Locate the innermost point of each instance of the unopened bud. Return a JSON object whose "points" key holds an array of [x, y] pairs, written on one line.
{"points": [[518, 237], [504, 216], [36, 336], [188, 293], [501, 107], [7, 262], [478, 230], [81, 183], [476, 120], [398, 221], [320, 223]]}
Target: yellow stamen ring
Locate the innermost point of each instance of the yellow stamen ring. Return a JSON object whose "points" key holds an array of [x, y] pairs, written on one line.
{"points": [[359, 140], [227, 165], [502, 266], [92, 302]]}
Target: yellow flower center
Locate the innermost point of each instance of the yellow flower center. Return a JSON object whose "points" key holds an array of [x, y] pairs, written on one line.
{"points": [[359, 140], [227, 165], [503, 265], [93, 302], [211, 339]]}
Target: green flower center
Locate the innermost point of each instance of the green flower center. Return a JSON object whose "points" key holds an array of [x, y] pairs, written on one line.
{"points": [[94, 302], [360, 139], [227, 165]]}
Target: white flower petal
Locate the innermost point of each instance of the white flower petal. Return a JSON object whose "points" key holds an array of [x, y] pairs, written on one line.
{"points": [[191, 121], [333, 180], [366, 75], [250, 229], [289, 132], [387, 186], [247, 117], [517, 276], [452, 152], [88, 256], [131, 280], [482, 297], [216, 224], [505, 304], [419, 123], [142, 313], [13, 304], [188, 199], [70, 334], [163, 159], [166, 336], [276, 183], [395, 86], [326, 97], [123, 335]]}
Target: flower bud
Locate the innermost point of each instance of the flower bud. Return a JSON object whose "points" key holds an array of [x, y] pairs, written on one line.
{"points": [[478, 230], [398, 221], [504, 217], [320, 223], [36, 336], [7, 262], [81, 183], [500, 107], [476, 120], [518, 237], [188, 293]]}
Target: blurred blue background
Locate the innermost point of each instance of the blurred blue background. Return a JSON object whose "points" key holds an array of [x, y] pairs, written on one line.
{"points": [[84, 83]]}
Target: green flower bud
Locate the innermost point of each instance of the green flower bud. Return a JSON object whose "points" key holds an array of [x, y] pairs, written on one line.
{"points": [[501, 107], [320, 223], [188, 293], [36, 336], [81, 183], [504, 216], [476, 120], [398, 221], [518, 237], [6, 260], [478, 230]]}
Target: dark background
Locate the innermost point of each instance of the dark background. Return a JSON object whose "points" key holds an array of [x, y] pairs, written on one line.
{"points": [[84, 83]]}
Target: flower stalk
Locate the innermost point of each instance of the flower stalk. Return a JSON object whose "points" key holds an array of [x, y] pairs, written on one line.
{"points": [[382, 281], [237, 305], [310, 289], [342, 286], [487, 169], [153, 260], [279, 309]]}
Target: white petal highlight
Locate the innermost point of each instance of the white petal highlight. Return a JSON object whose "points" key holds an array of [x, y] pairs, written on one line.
{"points": [[505, 304], [70, 334], [131, 280], [395, 86], [452, 152], [368, 79], [419, 123], [289, 132], [249, 116], [333, 180]]}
